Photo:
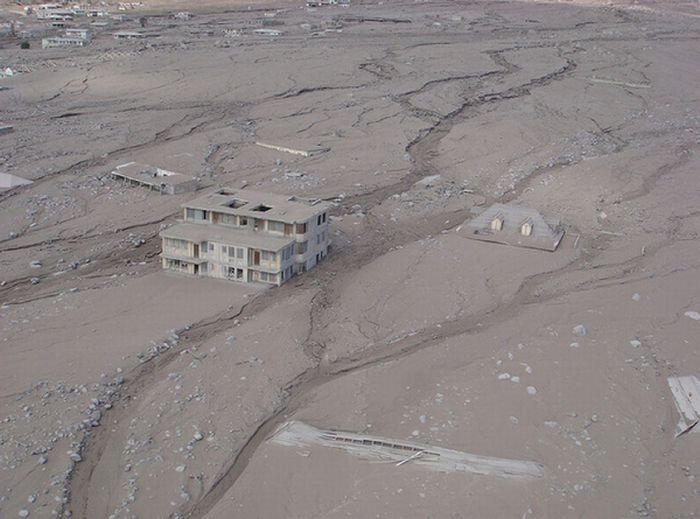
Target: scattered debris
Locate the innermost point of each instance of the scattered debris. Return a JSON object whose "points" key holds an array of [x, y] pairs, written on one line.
{"points": [[618, 83], [304, 153], [299, 434], [695, 316]]}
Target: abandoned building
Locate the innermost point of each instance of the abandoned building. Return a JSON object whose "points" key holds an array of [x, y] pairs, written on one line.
{"points": [[6, 128], [78, 33], [128, 35], [518, 226], [247, 236], [156, 179], [63, 41]]}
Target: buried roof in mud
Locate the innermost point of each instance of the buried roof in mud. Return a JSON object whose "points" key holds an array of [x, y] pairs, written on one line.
{"points": [[517, 226]]}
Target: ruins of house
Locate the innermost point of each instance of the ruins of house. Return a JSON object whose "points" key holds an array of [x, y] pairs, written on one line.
{"points": [[156, 179], [247, 236], [518, 226]]}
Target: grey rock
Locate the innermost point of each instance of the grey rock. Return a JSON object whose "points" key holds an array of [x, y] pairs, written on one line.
{"points": [[580, 330]]}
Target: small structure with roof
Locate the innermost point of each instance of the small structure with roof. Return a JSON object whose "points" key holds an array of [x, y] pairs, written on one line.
{"points": [[247, 236], [157, 179], [8, 181], [78, 32], [517, 226], [6, 128]]}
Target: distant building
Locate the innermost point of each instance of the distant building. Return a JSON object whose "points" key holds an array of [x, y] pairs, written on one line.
{"points": [[518, 226], [268, 32], [63, 41], [128, 35], [157, 179], [247, 236], [78, 33], [56, 13], [97, 13]]}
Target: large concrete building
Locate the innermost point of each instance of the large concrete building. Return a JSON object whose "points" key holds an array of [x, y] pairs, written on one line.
{"points": [[247, 236]]}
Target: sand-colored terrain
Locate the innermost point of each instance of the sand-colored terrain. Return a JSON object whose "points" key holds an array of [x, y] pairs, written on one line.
{"points": [[127, 392]]}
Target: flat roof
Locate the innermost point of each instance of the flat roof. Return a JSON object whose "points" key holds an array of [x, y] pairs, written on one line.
{"points": [[256, 204], [8, 181], [195, 232], [150, 175]]}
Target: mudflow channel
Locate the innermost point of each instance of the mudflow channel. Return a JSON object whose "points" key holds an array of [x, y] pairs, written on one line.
{"points": [[375, 242]]}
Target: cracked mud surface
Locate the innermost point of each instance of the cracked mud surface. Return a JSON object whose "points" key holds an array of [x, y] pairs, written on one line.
{"points": [[127, 392]]}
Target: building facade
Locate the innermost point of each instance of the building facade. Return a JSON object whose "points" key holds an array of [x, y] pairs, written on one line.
{"points": [[247, 236], [63, 41]]}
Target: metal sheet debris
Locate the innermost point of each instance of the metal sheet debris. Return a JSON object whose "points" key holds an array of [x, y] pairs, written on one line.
{"points": [[400, 452], [686, 395]]}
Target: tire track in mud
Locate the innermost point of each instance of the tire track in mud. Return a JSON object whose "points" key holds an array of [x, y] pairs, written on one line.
{"points": [[378, 240]]}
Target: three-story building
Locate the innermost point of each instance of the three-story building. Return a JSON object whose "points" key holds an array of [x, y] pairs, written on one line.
{"points": [[247, 236]]}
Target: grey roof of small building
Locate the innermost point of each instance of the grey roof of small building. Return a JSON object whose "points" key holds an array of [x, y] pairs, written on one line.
{"points": [[199, 232], [146, 174], [546, 233], [282, 208]]}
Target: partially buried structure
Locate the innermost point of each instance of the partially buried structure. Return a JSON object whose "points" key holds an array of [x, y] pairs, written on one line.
{"points": [[247, 236], [8, 181], [518, 226], [157, 179]]}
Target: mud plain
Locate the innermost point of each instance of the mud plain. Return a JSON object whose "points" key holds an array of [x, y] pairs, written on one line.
{"points": [[127, 392]]}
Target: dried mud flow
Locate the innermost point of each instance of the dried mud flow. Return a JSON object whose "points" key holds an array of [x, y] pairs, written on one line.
{"points": [[587, 112]]}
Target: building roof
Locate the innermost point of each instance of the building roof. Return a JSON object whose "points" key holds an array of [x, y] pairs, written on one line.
{"points": [[195, 232], [150, 175], [546, 233], [8, 181], [255, 204]]}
